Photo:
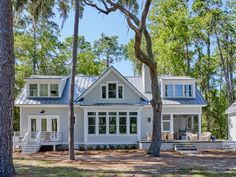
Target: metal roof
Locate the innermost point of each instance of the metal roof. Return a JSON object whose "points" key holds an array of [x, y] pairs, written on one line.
{"points": [[231, 108], [82, 83]]}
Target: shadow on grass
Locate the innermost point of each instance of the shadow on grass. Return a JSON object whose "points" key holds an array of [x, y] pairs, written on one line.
{"points": [[38, 171]]}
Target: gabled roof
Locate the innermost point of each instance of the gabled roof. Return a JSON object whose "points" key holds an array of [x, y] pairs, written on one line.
{"points": [[231, 108], [105, 74]]}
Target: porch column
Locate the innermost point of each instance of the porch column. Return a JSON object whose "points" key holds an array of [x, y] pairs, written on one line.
{"points": [[139, 125], [199, 125], [85, 127]]}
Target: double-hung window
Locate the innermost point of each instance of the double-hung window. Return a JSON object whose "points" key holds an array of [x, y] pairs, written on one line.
{"points": [[166, 122], [33, 89], [54, 90], [112, 122], [122, 122], [169, 90], [44, 90], [91, 122], [179, 90], [112, 90], [102, 122], [188, 91], [133, 122]]}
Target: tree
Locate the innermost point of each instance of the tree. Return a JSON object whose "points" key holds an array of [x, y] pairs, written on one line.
{"points": [[108, 49], [144, 56], [72, 81], [7, 84]]}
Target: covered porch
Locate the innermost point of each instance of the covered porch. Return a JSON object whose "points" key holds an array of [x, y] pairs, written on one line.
{"points": [[179, 127]]}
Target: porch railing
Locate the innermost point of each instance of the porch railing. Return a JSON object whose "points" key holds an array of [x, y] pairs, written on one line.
{"points": [[36, 137], [51, 136]]}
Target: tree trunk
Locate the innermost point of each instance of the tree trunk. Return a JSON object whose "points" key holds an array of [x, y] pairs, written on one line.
{"points": [[229, 86], [72, 82], [156, 102], [35, 47], [6, 88]]}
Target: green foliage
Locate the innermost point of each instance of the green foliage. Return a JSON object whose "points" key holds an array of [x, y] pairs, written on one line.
{"points": [[108, 50]]}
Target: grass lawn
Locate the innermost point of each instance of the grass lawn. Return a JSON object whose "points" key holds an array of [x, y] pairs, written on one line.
{"points": [[125, 163]]}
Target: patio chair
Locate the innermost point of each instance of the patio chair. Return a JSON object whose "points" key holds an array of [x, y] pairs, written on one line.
{"points": [[148, 136], [164, 136], [170, 136], [205, 136], [191, 136]]}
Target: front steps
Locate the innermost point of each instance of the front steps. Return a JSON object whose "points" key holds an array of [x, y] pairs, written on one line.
{"points": [[30, 148], [186, 148]]}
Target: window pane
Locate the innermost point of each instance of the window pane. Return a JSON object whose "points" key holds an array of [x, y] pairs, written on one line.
{"points": [[54, 125], [123, 113], [112, 113], [166, 126], [102, 113], [166, 117], [91, 113], [91, 125], [179, 90], [188, 90], [122, 125], [33, 90], [112, 90], [133, 125], [112, 125], [133, 113], [169, 90], [102, 125], [104, 92], [54, 90], [43, 89], [44, 125], [33, 125], [91, 120], [120, 91]]}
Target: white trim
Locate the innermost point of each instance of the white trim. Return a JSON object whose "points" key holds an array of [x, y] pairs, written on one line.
{"points": [[44, 105], [85, 126], [179, 105]]}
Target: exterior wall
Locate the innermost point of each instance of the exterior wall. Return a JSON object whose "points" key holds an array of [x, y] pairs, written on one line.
{"points": [[130, 97], [232, 126], [63, 113]]}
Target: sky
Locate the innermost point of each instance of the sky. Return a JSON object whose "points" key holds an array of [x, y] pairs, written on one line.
{"points": [[93, 24]]}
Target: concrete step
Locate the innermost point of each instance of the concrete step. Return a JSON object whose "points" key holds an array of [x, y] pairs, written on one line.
{"points": [[185, 148]]}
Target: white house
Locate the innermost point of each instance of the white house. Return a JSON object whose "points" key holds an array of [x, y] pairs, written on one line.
{"points": [[110, 109], [231, 112]]}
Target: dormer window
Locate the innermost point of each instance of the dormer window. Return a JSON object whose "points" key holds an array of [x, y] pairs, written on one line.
{"points": [[43, 90], [188, 91], [33, 90], [178, 90], [54, 90], [112, 90], [168, 90]]}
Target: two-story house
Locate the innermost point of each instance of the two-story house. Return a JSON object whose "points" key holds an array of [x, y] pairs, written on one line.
{"points": [[109, 110]]}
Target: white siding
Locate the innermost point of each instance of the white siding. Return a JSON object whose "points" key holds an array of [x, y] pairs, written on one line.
{"points": [[232, 126], [130, 97]]}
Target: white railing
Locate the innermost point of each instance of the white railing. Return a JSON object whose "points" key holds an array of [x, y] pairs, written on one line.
{"points": [[18, 137], [229, 145], [26, 138], [51, 136]]}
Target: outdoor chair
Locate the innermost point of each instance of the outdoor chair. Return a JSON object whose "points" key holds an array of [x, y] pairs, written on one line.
{"points": [[170, 136], [164, 136], [205, 136], [191, 136], [148, 136]]}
